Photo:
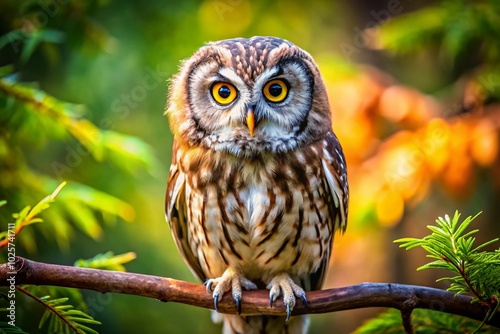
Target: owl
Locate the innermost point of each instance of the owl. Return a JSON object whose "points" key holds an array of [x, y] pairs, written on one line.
{"points": [[258, 185]]}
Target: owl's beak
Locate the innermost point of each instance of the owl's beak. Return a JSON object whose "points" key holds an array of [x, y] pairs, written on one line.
{"points": [[250, 121]]}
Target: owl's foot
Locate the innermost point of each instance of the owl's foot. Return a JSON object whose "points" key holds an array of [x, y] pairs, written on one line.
{"points": [[230, 280], [284, 284]]}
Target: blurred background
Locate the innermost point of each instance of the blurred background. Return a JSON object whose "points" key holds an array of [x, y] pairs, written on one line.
{"points": [[413, 85]]}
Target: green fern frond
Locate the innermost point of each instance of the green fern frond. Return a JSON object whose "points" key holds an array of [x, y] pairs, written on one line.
{"points": [[60, 317], [107, 261]]}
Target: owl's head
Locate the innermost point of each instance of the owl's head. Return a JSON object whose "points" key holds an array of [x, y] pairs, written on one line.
{"points": [[249, 96]]}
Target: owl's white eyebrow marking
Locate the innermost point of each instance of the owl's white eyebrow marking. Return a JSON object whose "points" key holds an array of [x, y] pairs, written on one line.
{"points": [[276, 70], [231, 75]]}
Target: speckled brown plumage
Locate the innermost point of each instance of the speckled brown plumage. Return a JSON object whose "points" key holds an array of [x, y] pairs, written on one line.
{"points": [[255, 207]]}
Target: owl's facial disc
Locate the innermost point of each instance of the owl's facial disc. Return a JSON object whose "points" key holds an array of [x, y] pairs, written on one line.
{"points": [[249, 97]]}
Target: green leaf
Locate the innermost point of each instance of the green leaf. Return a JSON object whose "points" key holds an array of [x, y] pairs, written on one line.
{"points": [[129, 153], [107, 261], [99, 200], [45, 203]]}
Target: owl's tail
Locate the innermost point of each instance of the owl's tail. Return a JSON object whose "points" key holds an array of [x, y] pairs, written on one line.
{"points": [[235, 324]]}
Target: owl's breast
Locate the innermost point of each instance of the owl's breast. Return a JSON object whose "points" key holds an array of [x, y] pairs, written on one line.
{"points": [[261, 217]]}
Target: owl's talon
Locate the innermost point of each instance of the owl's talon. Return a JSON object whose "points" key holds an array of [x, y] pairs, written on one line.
{"points": [[284, 285], [304, 300], [208, 284], [216, 302], [273, 295], [230, 280], [238, 304]]}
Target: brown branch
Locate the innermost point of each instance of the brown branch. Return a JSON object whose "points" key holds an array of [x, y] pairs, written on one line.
{"points": [[406, 318], [399, 296]]}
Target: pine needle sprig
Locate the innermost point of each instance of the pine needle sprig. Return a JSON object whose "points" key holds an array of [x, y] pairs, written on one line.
{"points": [[452, 248]]}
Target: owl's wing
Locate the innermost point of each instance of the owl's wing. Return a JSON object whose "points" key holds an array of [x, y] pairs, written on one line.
{"points": [[335, 171], [176, 214], [336, 197]]}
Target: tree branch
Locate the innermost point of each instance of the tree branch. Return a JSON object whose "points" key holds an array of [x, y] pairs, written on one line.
{"points": [[399, 296]]}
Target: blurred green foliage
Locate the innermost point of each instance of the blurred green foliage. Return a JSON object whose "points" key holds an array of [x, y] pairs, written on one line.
{"points": [[462, 37], [82, 91]]}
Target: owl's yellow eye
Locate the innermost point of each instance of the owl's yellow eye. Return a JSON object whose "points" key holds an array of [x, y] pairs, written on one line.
{"points": [[275, 90], [224, 93]]}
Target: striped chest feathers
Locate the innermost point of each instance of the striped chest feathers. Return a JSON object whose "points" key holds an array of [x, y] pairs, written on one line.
{"points": [[259, 215], [251, 195]]}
